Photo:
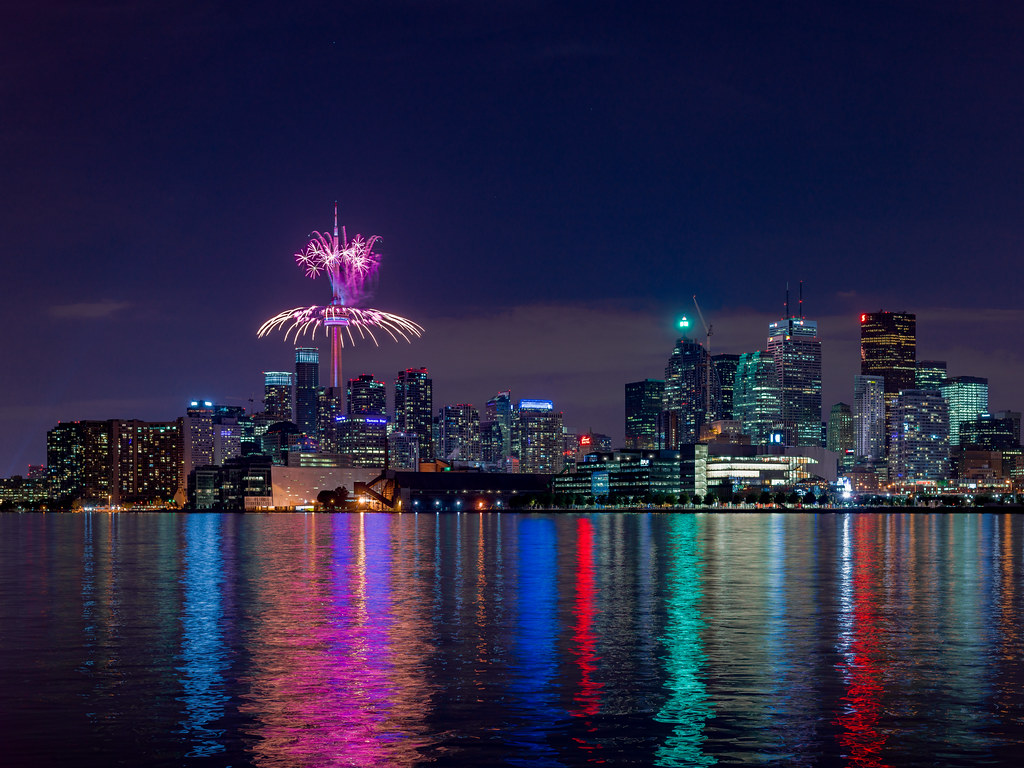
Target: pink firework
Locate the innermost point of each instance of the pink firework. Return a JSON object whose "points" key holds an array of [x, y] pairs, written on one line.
{"points": [[349, 265]]}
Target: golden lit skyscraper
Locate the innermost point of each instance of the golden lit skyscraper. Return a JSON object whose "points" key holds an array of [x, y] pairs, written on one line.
{"points": [[888, 348]]}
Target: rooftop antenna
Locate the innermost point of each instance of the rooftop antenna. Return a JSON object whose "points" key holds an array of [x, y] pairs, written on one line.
{"points": [[787, 299], [801, 299]]}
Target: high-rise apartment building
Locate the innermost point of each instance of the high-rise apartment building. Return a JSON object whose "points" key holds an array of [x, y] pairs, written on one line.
{"points": [[147, 462], [197, 436], [968, 399], [366, 396], [307, 390], [868, 413], [920, 446], [458, 431], [755, 399], [116, 461], [930, 374], [537, 438], [277, 395], [499, 412], [403, 451], [794, 346], [888, 348], [839, 433], [643, 404], [691, 390], [725, 369], [79, 458], [414, 406], [329, 412]]}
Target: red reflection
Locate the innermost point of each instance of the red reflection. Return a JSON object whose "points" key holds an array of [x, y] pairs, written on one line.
{"points": [[862, 714], [584, 641]]}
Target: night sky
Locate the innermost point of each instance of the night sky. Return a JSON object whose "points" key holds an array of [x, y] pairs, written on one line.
{"points": [[552, 183]]}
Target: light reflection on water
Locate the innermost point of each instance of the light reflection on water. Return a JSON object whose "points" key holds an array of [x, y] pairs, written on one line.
{"points": [[474, 639]]}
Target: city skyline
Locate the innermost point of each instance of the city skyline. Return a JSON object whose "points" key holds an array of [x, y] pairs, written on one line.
{"points": [[462, 383], [562, 188]]}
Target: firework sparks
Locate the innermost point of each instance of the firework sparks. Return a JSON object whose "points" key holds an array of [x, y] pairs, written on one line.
{"points": [[354, 323], [349, 266]]}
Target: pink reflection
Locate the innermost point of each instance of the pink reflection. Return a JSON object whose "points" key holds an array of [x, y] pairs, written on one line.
{"points": [[331, 684]]}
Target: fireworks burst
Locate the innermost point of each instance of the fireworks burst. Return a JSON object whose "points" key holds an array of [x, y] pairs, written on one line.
{"points": [[301, 320], [349, 266]]}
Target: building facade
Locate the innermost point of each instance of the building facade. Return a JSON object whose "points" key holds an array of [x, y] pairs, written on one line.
{"points": [[868, 413], [725, 369], [756, 400], [643, 404], [967, 397], [888, 348], [366, 397], [920, 447], [537, 438], [458, 430], [691, 392], [930, 374], [839, 435], [796, 350], [277, 395], [307, 390], [414, 406]]}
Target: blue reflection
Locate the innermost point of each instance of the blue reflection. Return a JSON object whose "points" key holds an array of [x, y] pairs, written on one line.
{"points": [[534, 661], [202, 647], [687, 707]]}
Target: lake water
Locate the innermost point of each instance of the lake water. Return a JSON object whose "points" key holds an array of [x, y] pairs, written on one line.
{"points": [[507, 639]]}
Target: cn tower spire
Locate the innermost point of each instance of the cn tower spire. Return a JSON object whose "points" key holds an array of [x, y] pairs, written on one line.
{"points": [[335, 219]]}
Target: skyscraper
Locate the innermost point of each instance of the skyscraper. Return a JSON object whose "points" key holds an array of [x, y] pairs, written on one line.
{"points": [[755, 399], [277, 395], [116, 461], [839, 437], [329, 411], [499, 411], [888, 348], [794, 346], [868, 415], [930, 374], [643, 404], [538, 437], [968, 399], [197, 436], [307, 389], [362, 439], [459, 432], [691, 391], [920, 446], [414, 405], [725, 369], [367, 396]]}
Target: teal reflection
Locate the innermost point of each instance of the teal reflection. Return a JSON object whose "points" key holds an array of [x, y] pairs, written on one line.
{"points": [[202, 646], [687, 707]]}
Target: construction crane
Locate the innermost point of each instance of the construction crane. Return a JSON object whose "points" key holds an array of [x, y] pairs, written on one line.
{"points": [[707, 346]]}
